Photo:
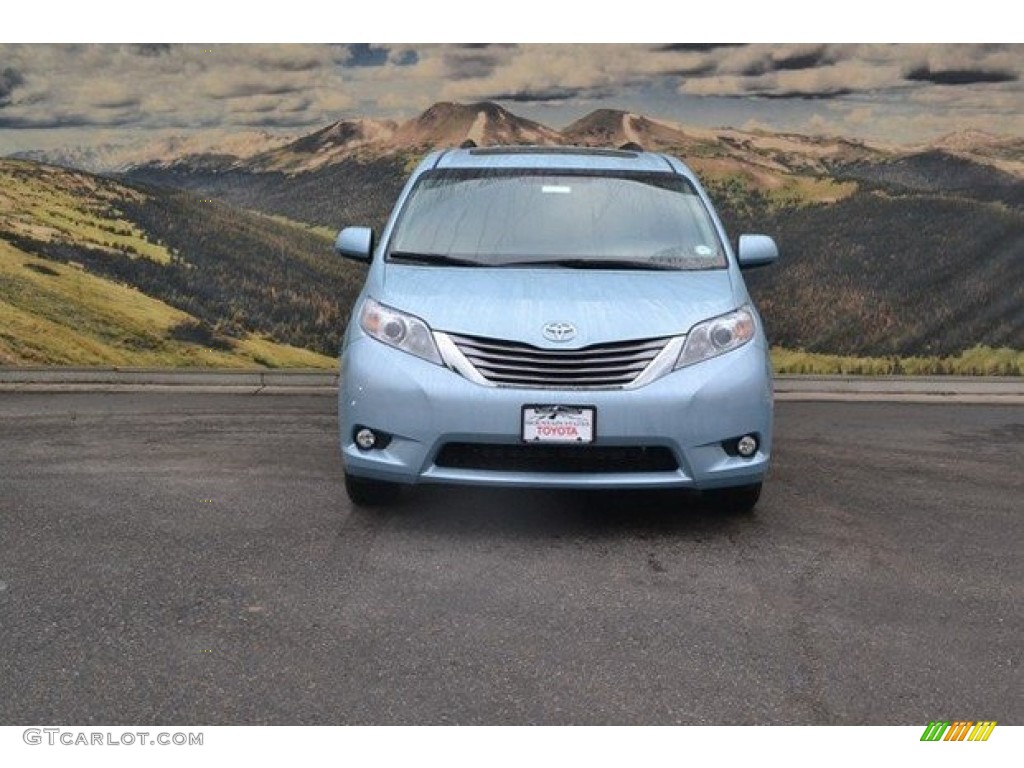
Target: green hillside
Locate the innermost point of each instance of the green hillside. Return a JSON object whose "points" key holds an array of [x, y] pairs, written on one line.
{"points": [[358, 190], [881, 274], [95, 272], [906, 259], [58, 314], [50, 204], [868, 268]]}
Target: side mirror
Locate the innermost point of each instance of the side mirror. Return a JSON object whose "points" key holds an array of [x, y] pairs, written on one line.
{"points": [[355, 243], [757, 251]]}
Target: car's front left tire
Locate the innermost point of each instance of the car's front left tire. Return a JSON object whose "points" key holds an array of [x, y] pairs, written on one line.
{"points": [[740, 500]]}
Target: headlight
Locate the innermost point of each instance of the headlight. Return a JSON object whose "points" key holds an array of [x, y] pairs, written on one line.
{"points": [[399, 330], [717, 336]]}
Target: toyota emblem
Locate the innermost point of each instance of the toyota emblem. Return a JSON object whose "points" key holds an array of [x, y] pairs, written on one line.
{"points": [[559, 331]]}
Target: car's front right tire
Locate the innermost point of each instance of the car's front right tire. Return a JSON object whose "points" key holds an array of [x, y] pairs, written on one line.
{"points": [[370, 493]]}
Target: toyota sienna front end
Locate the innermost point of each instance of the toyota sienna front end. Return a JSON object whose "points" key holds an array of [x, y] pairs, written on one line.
{"points": [[560, 318]]}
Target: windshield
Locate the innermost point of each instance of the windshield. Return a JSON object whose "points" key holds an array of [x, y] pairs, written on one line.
{"points": [[487, 217]]}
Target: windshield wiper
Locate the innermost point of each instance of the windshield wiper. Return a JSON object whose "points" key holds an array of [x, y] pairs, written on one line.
{"points": [[591, 264], [432, 259]]}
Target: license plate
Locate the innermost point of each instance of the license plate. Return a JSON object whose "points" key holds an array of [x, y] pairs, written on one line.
{"points": [[558, 424]]}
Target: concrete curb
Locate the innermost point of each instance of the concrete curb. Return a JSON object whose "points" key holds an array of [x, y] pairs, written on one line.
{"points": [[172, 377], [951, 389], [200, 380], [1005, 390]]}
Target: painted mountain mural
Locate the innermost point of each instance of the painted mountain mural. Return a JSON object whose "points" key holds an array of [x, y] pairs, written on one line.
{"points": [[887, 251]]}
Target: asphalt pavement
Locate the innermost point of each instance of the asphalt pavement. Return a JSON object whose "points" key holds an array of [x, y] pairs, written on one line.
{"points": [[176, 558]]}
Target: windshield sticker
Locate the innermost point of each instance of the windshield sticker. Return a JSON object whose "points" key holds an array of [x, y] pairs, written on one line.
{"points": [[703, 250], [552, 189]]}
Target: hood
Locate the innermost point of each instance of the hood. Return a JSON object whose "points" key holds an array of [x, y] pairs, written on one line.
{"points": [[516, 303]]}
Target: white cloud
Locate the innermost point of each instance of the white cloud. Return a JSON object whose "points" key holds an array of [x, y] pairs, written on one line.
{"points": [[182, 87]]}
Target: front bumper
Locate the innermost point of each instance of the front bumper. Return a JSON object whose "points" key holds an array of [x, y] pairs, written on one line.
{"points": [[424, 407]]}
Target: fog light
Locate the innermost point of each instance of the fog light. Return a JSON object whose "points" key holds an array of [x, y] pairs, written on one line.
{"points": [[366, 439], [746, 446]]}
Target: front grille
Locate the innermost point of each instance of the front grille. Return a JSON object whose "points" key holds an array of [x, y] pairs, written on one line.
{"points": [[513, 363], [557, 458]]}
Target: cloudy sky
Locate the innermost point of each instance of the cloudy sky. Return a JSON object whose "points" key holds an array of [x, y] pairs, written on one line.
{"points": [[55, 95]]}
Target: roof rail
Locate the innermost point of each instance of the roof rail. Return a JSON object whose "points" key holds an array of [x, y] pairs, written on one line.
{"points": [[557, 149]]}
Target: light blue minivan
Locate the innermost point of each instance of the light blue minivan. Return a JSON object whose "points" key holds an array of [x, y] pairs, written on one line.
{"points": [[556, 317]]}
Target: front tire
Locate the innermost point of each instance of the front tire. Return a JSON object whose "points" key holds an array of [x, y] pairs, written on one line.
{"points": [[740, 500], [370, 493]]}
